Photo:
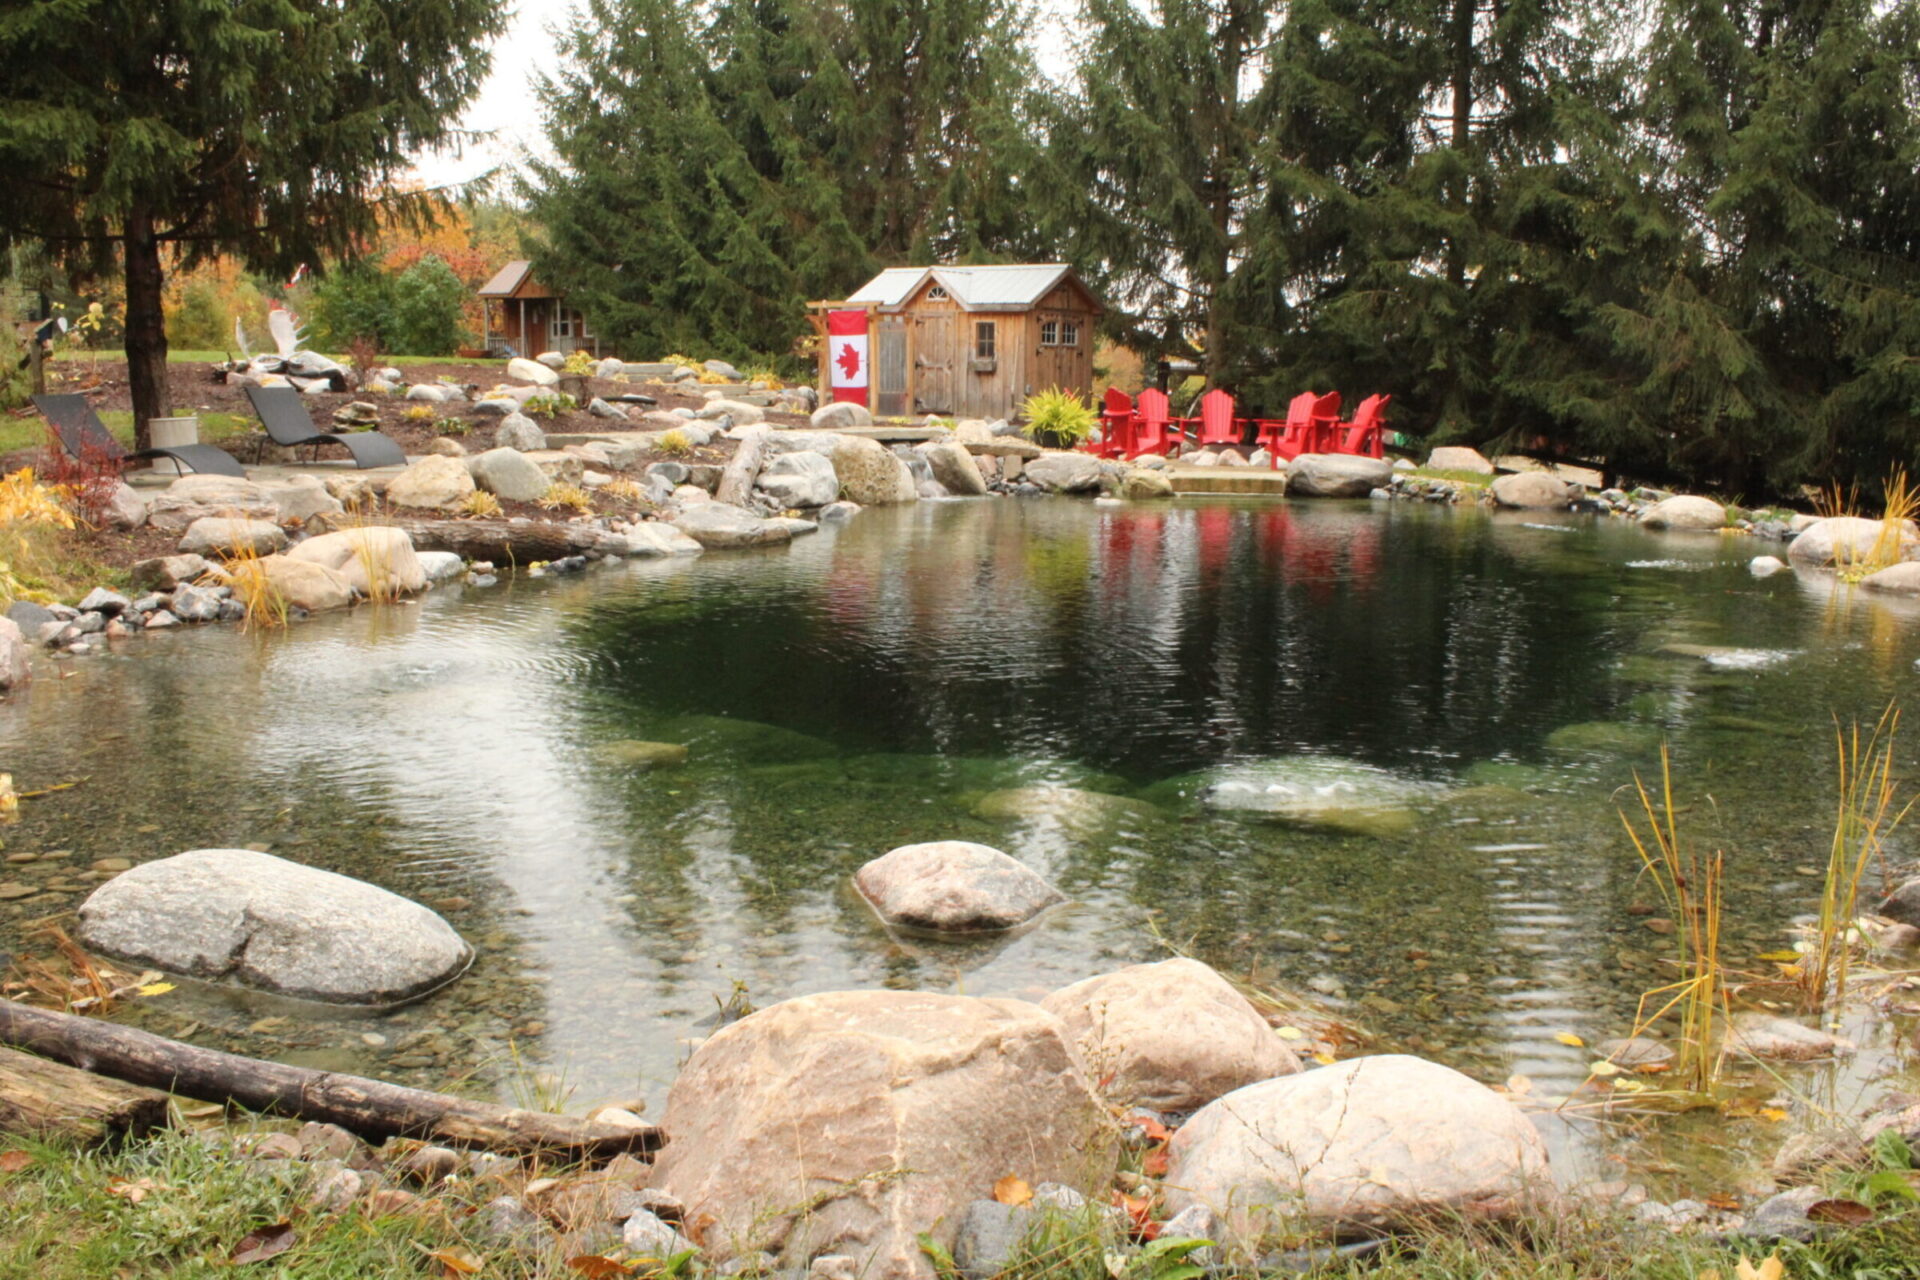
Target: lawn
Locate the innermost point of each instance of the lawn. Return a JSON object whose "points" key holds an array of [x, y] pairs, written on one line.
{"points": [[215, 357], [30, 432]]}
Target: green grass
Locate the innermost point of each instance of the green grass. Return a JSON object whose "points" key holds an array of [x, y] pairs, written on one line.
{"points": [[68, 1215], [30, 432]]}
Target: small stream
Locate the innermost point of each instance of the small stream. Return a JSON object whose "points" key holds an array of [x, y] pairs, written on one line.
{"points": [[895, 679]]}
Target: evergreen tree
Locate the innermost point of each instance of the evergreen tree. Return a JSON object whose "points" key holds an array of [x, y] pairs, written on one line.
{"points": [[1153, 169], [1773, 332], [264, 128], [718, 166]]}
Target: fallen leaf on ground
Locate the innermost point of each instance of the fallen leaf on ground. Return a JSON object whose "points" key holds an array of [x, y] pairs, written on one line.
{"points": [[1568, 1038], [1601, 1067], [1771, 1269], [1012, 1191], [1292, 1033], [1154, 1165], [1324, 1059], [267, 1242], [455, 1261], [1846, 1213], [1155, 1131], [1518, 1085], [14, 1161], [133, 1191], [1722, 1201], [597, 1267], [155, 988], [1140, 1213]]}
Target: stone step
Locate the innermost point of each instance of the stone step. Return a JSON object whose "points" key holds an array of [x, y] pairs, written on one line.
{"points": [[1241, 480]]}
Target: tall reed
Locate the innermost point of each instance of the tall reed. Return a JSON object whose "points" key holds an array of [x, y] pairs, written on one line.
{"points": [[1691, 885], [1865, 816]]}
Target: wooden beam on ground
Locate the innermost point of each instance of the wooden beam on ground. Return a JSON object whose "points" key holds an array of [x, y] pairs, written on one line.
{"points": [[46, 1100], [370, 1108]]}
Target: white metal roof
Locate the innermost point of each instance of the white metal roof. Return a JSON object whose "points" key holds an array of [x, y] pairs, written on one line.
{"points": [[1012, 287]]}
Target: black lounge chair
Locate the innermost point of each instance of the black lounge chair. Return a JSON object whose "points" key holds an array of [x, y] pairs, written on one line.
{"points": [[288, 425], [81, 433]]}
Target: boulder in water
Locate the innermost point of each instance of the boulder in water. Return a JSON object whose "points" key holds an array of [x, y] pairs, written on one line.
{"points": [[954, 886]]}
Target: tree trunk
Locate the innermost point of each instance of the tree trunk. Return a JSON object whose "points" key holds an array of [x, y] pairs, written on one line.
{"points": [[1461, 77], [496, 540], [370, 1108], [146, 327], [45, 1099]]}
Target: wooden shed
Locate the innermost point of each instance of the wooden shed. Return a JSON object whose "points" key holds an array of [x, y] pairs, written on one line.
{"points": [[523, 317], [973, 342]]}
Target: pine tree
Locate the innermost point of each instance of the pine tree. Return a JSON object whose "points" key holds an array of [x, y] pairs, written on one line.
{"points": [[718, 166], [264, 128]]}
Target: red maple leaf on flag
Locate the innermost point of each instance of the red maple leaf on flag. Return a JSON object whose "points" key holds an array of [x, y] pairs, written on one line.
{"points": [[848, 360]]}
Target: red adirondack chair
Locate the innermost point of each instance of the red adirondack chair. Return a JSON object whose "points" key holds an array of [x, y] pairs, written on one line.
{"points": [[1153, 429], [1217, 425], [1365, 435], [1288, 439], [1323, 431], [1116, 426]]}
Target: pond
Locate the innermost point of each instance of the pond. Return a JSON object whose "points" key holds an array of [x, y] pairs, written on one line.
{"points": [[1481, 685]]}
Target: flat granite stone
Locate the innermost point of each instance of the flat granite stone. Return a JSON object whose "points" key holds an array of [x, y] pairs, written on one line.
{"points": [[232, 915]]}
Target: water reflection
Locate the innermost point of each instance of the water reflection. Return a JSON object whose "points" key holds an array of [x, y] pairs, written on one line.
{"points": [[870, 685]]}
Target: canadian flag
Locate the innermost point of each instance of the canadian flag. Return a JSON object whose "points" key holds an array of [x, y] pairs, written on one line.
{"points": [[847, 355]]}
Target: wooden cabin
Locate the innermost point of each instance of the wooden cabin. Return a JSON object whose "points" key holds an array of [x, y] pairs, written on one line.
{"points": [[522, 317], [972, 342]]}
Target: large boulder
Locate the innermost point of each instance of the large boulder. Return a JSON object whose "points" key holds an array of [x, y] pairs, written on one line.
{"points": [[1530, 490], [196, 497], [1685, 512], [954, 886], [870, 475], [1065, 472], [233, 915], [375, 560], [523, 370], [433, 483], [1839, 541], [1337, 475], [305, 583], [1173, 1035], [955, 468], [801, 479], [1366, 1145], [301, 498], [849, 1123], [125, 509], [509, 474], [518, 431], [13, 655], [228, 536], [739, 411], [723, 526], [838, 416], [1455, 457], [1140, 483]]}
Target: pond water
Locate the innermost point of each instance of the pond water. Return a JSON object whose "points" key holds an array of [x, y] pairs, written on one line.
{"points": [[1242, 675]]}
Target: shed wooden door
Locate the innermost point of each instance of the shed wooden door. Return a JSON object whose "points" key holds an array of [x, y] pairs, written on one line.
{"points": [[890, 368], [933, 362]]}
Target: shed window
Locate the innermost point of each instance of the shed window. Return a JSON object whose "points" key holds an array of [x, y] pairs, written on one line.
{"points": [[983, 339], [936, 294], [1059, 333]]}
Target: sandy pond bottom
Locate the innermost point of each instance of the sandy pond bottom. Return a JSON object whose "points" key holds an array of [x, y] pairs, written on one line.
{"points": [[1368, 750]]}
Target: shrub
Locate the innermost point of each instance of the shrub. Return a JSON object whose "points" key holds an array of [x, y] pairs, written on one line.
{"points": [[429, 305], [549, 404], [567, 496], [674, 443], [624, 490], [478, 505], [580, 362], [418, 413], [1058, 417], [451, 426]]}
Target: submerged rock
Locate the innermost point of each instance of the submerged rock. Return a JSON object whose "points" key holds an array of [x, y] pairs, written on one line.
{"points": [[1172, 1036], [851, 1122], [260, 921], [1318, 791], [1603, 737], [1903, 905], [1069, 806], [635, 754], [1368, 1144], [1762, 1035], [954, 886]]}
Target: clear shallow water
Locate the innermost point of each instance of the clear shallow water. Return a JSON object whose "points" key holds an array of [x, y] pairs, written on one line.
{"points": [[867, 687]]}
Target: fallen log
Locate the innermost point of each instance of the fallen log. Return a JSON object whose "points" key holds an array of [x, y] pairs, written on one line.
{"points": [[372, 1109], [496, 540], [47, 1100]]}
